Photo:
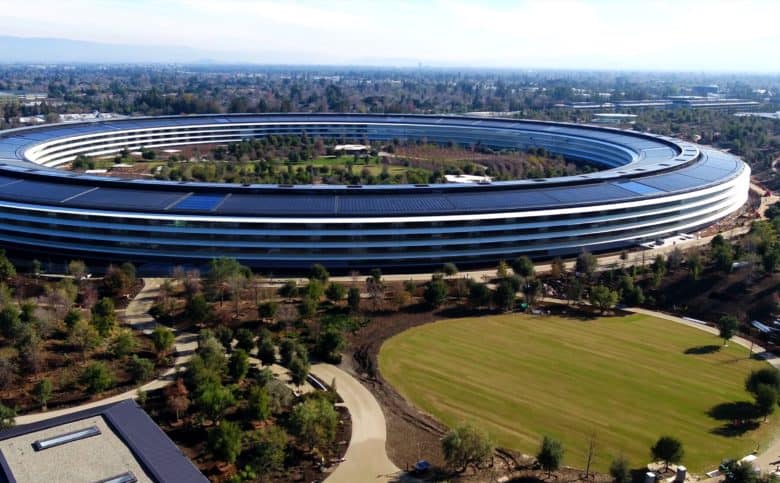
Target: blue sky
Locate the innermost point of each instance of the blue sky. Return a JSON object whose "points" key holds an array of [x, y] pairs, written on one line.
{"points": [[713, 35]]}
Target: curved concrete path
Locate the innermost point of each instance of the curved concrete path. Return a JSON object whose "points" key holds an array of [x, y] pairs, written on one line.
{"points": [[137, 317], [366, 458]]}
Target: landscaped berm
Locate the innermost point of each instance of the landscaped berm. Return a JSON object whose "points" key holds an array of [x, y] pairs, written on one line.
{"points": [[628, 380]]}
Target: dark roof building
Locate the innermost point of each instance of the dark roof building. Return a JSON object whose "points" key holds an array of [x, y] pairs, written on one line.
{"points": [[117, 443]]}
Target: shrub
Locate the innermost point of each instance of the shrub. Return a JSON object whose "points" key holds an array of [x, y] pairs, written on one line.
{"points": [[97, 377]]}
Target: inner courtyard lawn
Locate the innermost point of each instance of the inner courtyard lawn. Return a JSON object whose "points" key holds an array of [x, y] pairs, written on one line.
{"points": [[626, 380]]}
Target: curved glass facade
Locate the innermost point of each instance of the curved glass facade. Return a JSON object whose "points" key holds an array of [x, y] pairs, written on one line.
{"points": [[651, 187]]}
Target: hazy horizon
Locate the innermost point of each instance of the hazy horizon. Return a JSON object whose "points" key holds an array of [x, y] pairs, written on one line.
{"points": [[659, 35]]}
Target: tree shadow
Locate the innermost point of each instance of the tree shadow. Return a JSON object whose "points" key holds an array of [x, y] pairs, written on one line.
{"points": [[741, 417], [733, 410], [736, 428], [702, 349], [525, 479]]}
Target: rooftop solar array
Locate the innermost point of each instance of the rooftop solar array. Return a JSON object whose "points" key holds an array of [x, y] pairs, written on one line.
{"points": [[660, 167]]}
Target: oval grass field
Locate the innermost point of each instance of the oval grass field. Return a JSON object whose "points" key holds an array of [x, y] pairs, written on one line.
{"points": [[628, 380]]}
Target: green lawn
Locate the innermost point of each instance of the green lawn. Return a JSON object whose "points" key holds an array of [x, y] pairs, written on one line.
{"points": [[628, 380]]}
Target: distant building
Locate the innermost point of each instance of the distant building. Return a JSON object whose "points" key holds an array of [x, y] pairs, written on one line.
{"points": [[696, 102], [8, 98], [116, 442], [705, 90], [613, 118]]}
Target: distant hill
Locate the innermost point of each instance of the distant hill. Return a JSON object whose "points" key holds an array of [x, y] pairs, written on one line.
{"points": [[54, 50]]}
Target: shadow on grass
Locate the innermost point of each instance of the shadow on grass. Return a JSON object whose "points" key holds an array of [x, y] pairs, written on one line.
{"points": [[741, 417], [525, 479], [702, 349], [733, 410], [736, 428]]}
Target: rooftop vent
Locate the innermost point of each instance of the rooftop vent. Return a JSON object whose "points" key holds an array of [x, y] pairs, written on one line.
{"points": [[128, 477], [42, 444]]}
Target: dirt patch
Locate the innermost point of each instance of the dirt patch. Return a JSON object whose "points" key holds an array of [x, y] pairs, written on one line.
{"points": [[412, 435]]}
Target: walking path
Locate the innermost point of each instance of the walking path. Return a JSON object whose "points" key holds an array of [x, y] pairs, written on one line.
{"points": [[366, 458], [136, 317]]}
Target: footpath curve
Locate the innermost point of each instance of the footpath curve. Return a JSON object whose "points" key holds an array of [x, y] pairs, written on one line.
{"points": [[137, 318], [366, 458]]}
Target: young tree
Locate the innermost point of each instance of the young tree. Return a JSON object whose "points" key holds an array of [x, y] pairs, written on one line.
{"points": [[84, 337], [7, 269], [722, 254], [299, 369], [330, 343], [176, 398], [116, 281], [620, 470], [259, 403], [104, 317], [214, 399], [268, 449], [335, 292], [603, 297], [727, 326], [449, 269], [737, 471], [524, 267], [7, 417], [505, 296], [314, 421], [10, 322], [267, 310], [318, 272], [224, 441], [667, 449], [238, 365], [77, 269], [97, 377], [767, 375], [586, 264], [140, 369], [266, 351], [557, 268], [289, 289], [502, 271], [198, 309], [308, 307], [466, 445], [245, 339], [436, 293], [162, 340], [695, 265], [550, 455], [630, 293], [43, 391], [766, 400], [225, 275], [353, 299], [124, 344], [479, 295]]}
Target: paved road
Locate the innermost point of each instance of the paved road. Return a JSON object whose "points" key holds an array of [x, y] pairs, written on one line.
{"points": [[135, 316], [366, 458]]}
